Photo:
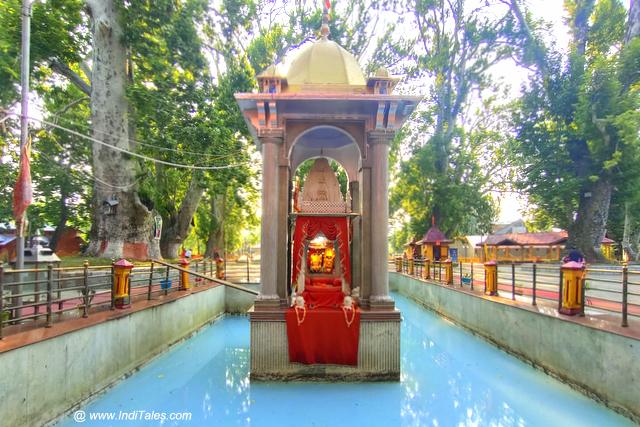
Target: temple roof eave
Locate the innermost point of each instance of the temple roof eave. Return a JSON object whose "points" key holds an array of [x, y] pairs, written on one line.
{"points": [[317, 96]]}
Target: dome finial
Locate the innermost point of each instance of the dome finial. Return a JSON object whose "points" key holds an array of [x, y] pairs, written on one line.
{"points": [[324, 30]]}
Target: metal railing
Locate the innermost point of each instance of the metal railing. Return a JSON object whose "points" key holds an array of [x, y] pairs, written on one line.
{"points": [[610, 289], [41, 296]]}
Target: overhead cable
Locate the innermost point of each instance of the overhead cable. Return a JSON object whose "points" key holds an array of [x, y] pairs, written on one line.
{"points": [[134, 154]]}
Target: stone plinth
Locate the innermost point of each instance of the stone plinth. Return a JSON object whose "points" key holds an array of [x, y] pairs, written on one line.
{"points": [[378, 355]]}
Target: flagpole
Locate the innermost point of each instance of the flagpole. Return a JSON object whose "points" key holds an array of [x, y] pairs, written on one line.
{"points": [[24, 113]]}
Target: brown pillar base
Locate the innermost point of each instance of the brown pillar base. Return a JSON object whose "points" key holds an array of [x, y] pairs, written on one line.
{"points": [[267, 304], [570, 311], [382, 304], [122, 303]]}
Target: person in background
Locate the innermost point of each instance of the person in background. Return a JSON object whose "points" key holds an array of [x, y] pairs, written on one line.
{"points": [[574, 255]]}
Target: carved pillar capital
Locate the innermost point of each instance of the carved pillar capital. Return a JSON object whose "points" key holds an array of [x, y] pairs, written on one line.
{"points": [[270, 136], [380, 136]]}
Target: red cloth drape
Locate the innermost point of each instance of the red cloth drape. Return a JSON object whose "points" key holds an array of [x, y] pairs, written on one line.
{"points": [[323, 296], [323, 337], [23, 190], [334, 228]]}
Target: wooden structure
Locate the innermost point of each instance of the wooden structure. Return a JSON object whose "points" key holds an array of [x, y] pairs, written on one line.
{"points": [[434, 245]]}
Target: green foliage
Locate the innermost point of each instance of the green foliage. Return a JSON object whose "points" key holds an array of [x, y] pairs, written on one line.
{"points": [[58, 30], [578, 124], [60, 162], [447, 166]]}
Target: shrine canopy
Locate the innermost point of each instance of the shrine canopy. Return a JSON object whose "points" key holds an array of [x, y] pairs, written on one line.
{"points": [[323, 79], [435, 244]]}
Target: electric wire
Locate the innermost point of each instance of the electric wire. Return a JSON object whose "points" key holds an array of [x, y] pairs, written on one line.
{"points": [[141, 156], [87, 173], [146, 144], [95, 178]]}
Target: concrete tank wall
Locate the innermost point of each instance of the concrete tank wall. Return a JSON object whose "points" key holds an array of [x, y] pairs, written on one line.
{"points": [[239, 302], [41, 381], [599, 363]]}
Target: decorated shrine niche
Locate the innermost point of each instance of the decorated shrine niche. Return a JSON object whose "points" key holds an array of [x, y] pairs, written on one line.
{"points": [[321, 271]]}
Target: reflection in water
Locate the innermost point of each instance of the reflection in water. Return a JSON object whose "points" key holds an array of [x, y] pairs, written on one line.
{"points": [[449, 378]]}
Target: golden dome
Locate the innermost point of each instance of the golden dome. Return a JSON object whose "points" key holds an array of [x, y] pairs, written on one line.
{"points": [[325, 63]]}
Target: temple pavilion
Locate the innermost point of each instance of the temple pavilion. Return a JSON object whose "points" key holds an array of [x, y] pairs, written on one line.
{"points": [[324, 310]]}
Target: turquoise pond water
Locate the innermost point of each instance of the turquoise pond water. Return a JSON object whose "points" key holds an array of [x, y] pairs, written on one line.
{"points": [[449, 378]]}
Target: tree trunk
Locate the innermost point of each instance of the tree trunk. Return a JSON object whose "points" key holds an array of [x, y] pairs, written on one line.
{"points": [[633, 24], [589, 227], [636, 245], [215, 242], [62, 221], [177, 226], [123, 228]]}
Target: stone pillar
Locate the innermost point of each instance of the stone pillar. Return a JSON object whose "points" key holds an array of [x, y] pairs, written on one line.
{"points": [[379, 142], [268, 297], [283, 231], [356, 241], [365, 236]]}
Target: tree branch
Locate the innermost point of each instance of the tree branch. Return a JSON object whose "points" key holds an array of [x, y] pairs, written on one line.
{"points": [[63, 69]]}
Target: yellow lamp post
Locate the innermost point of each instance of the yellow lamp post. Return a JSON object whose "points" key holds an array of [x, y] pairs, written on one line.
{"points": [[121, 289], [426, 270], [219, 268], [448, 271], [491, 278], [184, 276], [573, 274]]}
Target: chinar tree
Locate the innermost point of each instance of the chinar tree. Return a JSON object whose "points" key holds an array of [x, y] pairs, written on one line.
{"points": [[577, 123], [449, 160]]}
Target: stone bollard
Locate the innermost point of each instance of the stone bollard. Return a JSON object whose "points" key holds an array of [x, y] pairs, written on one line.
{"points": [[573, 274], [184, 276], [121, 283], [491, 278], [448, 272]]}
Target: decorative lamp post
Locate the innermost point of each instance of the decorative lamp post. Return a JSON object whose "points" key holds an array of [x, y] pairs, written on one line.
{"points": [[573, 280], [491, 278], [121, 283], [184, 276]]}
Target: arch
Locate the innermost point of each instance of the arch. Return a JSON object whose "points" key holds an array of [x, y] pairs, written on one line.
{"points": [[327, 141]]}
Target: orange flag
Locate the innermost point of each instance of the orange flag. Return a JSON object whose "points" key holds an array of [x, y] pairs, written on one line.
{"points": [[23, 191]]}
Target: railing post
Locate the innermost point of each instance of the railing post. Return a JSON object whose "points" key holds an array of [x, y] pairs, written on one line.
{"points": [[471, 274], [49, 293], [460, 266], [113, 284], [166, 278], [560, 290], [583, 292], [85, 309], [36, 290], [1, 296], [535, 271], [513, 281], [625, 285], [150, 281], [485, 280]]}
